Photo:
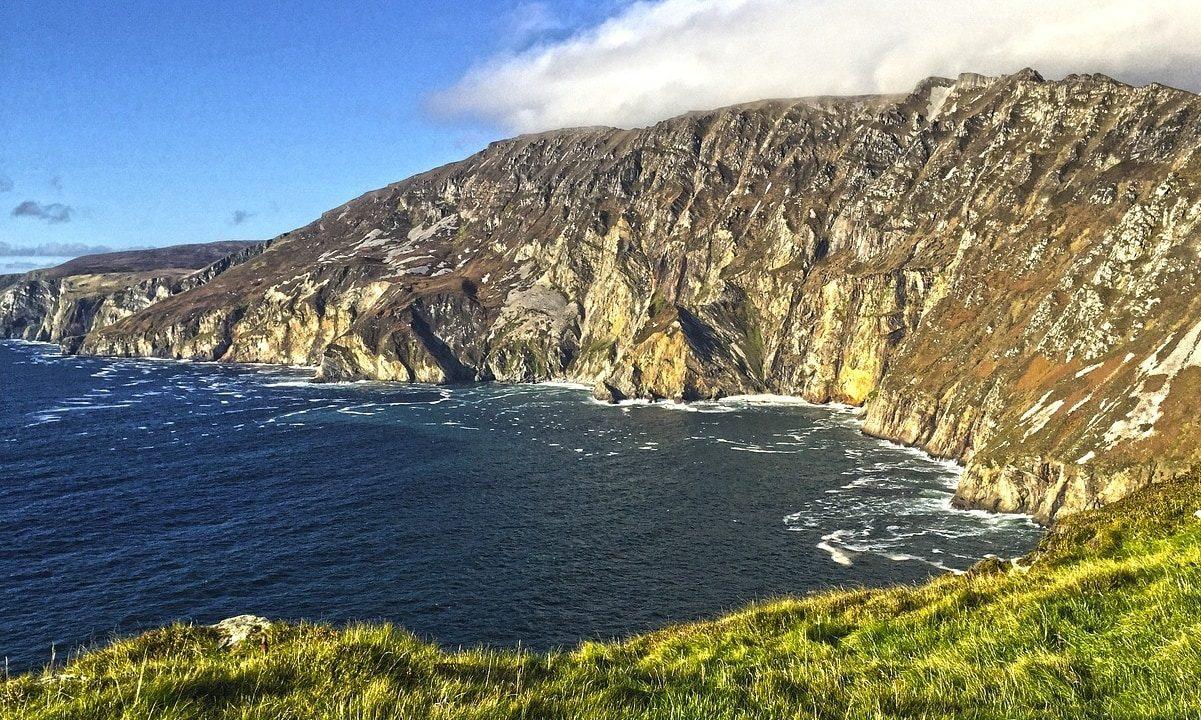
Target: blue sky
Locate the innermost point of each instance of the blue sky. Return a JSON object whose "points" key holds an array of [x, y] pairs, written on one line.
{"points": [[131, 122], [185, 121]]}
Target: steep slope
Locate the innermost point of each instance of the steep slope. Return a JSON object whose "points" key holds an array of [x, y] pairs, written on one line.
{"points": [[65, 302], [1000, 269]]}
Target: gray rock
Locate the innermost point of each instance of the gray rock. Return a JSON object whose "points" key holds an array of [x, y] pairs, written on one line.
{"points": [[236, 630]]}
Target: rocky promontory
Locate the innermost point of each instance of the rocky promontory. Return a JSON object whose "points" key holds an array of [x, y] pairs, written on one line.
{"points": [[63, 303]]}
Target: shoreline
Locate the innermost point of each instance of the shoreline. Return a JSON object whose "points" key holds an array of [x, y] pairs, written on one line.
{"points": [[731, 403], [841, 419], [765, 399]]}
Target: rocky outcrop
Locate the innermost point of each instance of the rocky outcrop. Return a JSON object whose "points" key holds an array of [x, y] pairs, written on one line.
{"points": [[64, 303], [234, 631], [1000, 270], [55, 309]]}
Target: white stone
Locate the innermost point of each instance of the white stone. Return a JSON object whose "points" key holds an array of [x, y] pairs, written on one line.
{"points": [[238, 629]]}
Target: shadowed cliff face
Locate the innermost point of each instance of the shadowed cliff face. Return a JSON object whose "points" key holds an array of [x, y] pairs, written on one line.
{"points": [[1001, 270]]}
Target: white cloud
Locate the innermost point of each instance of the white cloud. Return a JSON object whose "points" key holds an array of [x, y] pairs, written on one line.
{"points": [[529, 20], [658, 58]]}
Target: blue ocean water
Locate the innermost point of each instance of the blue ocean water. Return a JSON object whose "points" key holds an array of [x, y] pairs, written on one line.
{"points": [[134, 493]]}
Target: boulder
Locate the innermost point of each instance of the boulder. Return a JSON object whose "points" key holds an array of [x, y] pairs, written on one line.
{"points": [[236, 630]]}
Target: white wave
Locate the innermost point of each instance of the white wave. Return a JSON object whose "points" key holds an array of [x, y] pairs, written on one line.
{"points": [[905, 557], [702, 406], [292, 383], [77, 408], [842, 552], [299, 412], [633, 402], [768, 399], [838, 555], [565, 385], [879, 483], [992, 518], [763, 450], [44, 420], [359, 409], [676, 405], [950, 466]]}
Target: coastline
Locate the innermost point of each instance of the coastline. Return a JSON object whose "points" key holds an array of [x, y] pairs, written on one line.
{"points": [[841, 413], [723, 404]]}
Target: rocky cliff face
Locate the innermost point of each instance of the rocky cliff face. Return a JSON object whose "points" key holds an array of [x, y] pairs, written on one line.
{"points": [[1000, 270], [64, 303]]}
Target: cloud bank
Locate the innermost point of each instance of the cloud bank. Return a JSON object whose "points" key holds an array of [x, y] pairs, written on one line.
{"points": [[657, 58], [51, 250], [53, 213]]}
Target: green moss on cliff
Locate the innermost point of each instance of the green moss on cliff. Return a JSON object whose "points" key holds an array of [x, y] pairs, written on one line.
{"points": [[1103, 621]]}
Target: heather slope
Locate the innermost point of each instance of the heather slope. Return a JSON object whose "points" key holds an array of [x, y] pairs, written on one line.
{"points": [[174, 257]]}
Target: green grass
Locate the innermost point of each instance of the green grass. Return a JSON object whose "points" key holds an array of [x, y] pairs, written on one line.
{"points": [[1102, 621]]}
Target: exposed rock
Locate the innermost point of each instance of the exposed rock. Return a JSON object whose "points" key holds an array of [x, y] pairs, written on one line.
{"points": [[240, 628], [990, 565], [605, 392], [1000, 270], [64, 303]]}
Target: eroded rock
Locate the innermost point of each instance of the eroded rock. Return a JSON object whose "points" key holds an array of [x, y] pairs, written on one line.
{"points": [[240, 628]]}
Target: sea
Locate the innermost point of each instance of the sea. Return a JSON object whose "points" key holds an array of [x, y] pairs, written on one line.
{"points": [[135, 493]]}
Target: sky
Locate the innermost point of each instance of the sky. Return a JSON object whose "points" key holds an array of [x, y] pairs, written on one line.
{"points": [[139, 123]]}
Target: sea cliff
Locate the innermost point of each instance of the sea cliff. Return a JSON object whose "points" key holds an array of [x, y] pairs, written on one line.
{"points": [[999, 270]]}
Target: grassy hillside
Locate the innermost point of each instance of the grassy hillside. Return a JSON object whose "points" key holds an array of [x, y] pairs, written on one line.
{"points": [[184, 257], [1103, 621]]}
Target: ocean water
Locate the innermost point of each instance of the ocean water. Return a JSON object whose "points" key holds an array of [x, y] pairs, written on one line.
{"points": [[134, 493]]}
